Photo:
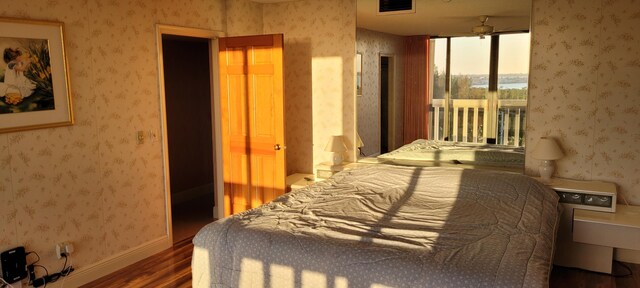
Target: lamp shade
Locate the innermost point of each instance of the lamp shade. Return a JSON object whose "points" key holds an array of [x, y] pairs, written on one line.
{"points": [[547, 149], [359, 142], [335, 144]]}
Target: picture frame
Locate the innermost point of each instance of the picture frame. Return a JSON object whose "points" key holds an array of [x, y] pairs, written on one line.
{"points": [[34, 76], [359, 74]]}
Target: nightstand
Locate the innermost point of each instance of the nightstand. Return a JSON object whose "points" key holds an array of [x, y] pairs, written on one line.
{"points": [[620, 230], [586, 195], [299, 180], [325, 170]]}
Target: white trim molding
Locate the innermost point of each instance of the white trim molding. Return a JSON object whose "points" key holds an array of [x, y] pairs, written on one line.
{"points": [[116, 262]]}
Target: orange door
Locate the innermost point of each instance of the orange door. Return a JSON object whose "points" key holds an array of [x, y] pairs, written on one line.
{"points": [[252, 104]]}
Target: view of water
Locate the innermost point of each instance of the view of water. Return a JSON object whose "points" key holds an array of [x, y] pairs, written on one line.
{"points": [[504, 86]]}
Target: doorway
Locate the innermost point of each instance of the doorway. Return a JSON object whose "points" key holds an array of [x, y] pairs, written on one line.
{"points": [[187, 83], [387, 104]]}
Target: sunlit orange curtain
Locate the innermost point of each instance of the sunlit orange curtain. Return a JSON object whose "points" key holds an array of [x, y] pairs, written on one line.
{"points": [[416, 88]]}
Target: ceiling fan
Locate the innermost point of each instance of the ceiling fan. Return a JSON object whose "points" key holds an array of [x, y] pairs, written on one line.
{"points": [[482, 29]]}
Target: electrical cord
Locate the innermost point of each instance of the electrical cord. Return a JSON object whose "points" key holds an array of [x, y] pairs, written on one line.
{"points": [[63, 268], [64, 272], [5, 283], [47, 278], [33, 252], [42, 280]]}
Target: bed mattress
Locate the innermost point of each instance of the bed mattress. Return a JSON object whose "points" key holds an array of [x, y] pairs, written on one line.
{"points": [[464, 153], [388, 226]]}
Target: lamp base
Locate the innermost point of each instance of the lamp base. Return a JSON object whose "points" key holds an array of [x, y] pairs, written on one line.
{"points": [[337, 158], [546, 169]]}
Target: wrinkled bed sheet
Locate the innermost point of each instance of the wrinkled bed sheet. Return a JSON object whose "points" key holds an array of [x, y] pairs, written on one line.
{"points": [[465, 153], [388, 226]]}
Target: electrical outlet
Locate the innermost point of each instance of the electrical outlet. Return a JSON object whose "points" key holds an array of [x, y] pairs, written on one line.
{"points": [[65, 248], [59, 250], [68, 248]]}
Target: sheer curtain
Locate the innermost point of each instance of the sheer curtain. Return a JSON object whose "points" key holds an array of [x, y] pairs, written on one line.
{"points": [[416, 88]]}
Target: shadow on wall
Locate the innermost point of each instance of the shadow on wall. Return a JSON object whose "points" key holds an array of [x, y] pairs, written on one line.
{"points": [[298, 106]]}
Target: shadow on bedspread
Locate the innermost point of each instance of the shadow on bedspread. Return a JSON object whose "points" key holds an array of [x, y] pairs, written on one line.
{"points": [[387, 226]]}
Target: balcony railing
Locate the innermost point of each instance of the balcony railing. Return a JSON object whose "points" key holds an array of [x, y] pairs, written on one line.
{"points": [[469, 120]]}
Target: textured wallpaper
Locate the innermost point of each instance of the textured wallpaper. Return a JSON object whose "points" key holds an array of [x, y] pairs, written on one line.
{"points": [[319, 68], [372, 44], [585, 90], [90, 183], [244, 17]]}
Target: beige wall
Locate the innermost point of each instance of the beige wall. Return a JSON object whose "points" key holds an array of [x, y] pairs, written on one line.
{"points": [[91, 183], [372, 44], [244, 17], [585, 90], [319, 76], [319, 67]]}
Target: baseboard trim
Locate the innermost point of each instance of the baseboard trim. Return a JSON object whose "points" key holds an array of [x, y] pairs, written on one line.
{"points": [[84, 275]]}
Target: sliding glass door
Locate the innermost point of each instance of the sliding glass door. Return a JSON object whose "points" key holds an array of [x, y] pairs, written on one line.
{"points": [[479, 89]]}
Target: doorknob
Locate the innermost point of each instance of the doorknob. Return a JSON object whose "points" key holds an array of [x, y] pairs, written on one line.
{"points": [[276, 147]]}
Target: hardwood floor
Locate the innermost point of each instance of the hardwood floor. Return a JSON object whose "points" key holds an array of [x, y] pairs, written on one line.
{"points": [[571, 277], [172, 268]]}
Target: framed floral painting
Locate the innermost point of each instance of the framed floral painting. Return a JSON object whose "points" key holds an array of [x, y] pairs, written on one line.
{"points": [[34, 80]]}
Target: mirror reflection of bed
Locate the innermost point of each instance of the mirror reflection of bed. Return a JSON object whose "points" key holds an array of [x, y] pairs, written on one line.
{"points": [[471, 90]]}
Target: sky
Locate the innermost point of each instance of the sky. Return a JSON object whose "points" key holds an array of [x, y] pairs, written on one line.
{"points": [[470, 55]]}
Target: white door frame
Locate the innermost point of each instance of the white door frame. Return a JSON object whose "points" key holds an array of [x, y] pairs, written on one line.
{"points": [[218, 186]]}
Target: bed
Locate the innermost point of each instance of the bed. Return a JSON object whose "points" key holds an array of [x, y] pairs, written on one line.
{"points": [[423, 152], [388, 226]]}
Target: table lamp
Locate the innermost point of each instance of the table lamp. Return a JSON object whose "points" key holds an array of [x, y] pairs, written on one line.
{"points": [[359, 143], [547, 150], [337, 147]]}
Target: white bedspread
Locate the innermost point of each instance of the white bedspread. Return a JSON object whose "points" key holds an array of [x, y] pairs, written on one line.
{"points": [[465, 153], [388, 226]]}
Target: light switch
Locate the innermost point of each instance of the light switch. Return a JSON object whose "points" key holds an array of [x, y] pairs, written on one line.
{"points": [[153, 135], [140, 137]]}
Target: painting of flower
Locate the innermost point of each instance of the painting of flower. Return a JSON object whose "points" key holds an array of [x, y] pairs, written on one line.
{"points": [[34, 84], [25, 76]]}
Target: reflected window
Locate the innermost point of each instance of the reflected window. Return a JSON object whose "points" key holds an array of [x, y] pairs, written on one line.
{"points": [[479, 89]]}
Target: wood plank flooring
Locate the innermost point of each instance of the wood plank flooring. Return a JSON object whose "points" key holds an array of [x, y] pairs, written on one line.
{"points": [[571, 277], [172, 268]]}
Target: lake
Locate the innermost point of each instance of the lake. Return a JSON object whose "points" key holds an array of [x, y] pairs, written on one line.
{"points": [[504, 86]]}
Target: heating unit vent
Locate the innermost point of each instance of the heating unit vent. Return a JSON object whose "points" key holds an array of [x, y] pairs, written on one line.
{"points": [[396, 6]]}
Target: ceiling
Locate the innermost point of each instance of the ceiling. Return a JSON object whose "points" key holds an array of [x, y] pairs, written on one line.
{"points": [[271, 1], [446, 17]]}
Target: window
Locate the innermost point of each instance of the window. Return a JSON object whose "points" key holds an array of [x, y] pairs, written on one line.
{"points": [[513, 87], [479, 89]]}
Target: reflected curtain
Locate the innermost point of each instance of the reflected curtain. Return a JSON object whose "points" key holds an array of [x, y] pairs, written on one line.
{"points": [[416, 88]]}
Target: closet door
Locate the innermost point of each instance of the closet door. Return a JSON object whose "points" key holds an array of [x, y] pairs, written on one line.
{"points": [[252, 104]]}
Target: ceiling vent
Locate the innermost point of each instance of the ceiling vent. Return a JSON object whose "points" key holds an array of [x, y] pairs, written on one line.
{"points": [[396, 6]]}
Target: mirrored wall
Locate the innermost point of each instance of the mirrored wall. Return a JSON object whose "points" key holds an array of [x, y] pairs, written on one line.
{"points": [[487, 79]]}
